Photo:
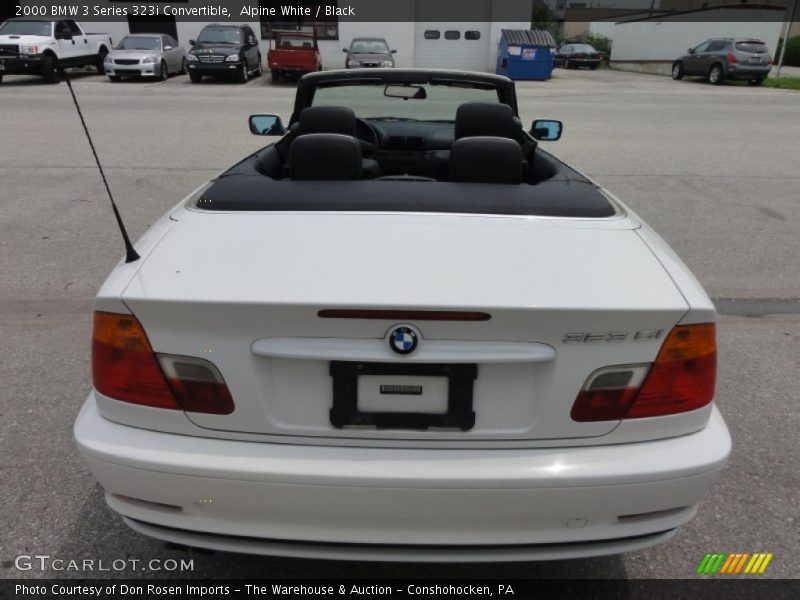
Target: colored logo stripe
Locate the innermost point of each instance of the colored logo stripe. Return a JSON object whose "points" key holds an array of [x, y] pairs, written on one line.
{"points": [[734, 563]]}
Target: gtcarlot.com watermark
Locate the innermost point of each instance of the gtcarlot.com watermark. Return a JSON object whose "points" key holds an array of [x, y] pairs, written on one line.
{"points": [[46, 562]]}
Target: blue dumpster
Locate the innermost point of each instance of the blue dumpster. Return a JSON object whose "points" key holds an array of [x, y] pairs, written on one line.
{"points": [[526, 54]]}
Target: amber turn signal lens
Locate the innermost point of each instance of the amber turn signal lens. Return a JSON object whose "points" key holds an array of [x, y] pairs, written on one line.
{"points": [[124, 366]]}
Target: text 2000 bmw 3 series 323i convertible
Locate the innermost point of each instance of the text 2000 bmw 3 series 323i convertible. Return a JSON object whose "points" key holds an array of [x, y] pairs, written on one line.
{"points": [[404, 331]]}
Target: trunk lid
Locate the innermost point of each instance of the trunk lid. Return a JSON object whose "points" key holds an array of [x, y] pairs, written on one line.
{"points": [[244, 291]]}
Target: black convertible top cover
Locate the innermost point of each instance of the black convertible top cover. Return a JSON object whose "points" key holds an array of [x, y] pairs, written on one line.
{"points": [[553, 198]]}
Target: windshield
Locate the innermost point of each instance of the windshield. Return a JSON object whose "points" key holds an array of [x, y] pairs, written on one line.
{"points": [[752, 46], [25, 28], [369, 47], [139, 43], [219, 35], [369, 101], [295, 42], [582, 48]]}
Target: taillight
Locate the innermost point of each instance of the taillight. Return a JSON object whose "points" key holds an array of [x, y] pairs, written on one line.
{"points": [[197, 384], [124, 367], [731, 57], [681, 379], [683, 376], [608, 392]]}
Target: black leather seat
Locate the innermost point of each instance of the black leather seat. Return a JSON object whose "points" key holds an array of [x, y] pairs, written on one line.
{"points": [[484, 159], [325, 157], [484, 119], [326, 119], [334, 119]]}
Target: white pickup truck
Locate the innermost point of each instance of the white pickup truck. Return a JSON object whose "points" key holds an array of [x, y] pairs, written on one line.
{"points": [[42, 47]]}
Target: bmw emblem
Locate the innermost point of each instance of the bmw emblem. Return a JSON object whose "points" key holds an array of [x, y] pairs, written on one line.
{"points": [[403, 339]]}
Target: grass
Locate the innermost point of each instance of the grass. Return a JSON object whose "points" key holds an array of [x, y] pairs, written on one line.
{"points": [[784, 83]]}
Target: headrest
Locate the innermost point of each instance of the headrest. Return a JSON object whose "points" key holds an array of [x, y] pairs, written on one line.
{"points": [[486, 119], [486, 160], [327, 119], [325, 157]]}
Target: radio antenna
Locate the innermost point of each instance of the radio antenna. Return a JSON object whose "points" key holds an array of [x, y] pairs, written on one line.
{"points": [[130, 252]]}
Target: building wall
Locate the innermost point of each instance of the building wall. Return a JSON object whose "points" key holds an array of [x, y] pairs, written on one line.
{"points": [[681, 5], [667, 39], [578, 21], [606, 28]]}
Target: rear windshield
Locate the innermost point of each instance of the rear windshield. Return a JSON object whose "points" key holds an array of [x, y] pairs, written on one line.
{"points": [[582, 48], [25, 28], [755, 47], [295, 42]]}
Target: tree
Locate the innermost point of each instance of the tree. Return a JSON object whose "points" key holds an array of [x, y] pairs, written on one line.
{"points": [[542, 18], [792, 56], [599, 42]]}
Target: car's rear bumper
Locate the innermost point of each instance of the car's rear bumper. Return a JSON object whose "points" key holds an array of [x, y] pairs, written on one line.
{"points": [[401, 504], [742, 71], [584, 62], [294, 68], [405, 553]]}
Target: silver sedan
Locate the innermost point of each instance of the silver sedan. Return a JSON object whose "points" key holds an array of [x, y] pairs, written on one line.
{"points": [[146, 55]]}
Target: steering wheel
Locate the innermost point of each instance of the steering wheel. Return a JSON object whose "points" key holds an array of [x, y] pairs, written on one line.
{"points": [[370, 138]]}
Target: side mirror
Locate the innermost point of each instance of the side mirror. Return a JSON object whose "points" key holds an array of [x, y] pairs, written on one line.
{"points": [[691, 50], [167, 48], [394, 51], [266, 125], [192, 42], [66, 34], [546, 130], [251, 41], [345, 50]]}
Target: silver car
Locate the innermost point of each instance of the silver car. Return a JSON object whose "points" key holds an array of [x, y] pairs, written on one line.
{"points": [[146, 55], [368, 53]]}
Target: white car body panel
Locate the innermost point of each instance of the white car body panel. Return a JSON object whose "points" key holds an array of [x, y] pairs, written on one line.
{"points": [[253, 299], [42, 41], [247, 496]]}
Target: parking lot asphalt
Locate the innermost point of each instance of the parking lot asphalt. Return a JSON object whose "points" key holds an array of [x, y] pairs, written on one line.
{"points": [[713, 169]]}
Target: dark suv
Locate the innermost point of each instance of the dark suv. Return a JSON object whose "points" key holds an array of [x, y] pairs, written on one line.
{"points": [[224, 50], [719, 59]]}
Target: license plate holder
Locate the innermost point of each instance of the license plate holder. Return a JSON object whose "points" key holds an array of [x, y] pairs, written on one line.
{"points": [[460, 381]]}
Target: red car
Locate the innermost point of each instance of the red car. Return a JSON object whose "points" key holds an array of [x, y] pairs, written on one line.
{"points": [[293, 53]]}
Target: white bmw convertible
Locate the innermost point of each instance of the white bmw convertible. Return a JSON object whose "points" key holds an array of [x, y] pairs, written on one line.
{"points": [[404, 331]]}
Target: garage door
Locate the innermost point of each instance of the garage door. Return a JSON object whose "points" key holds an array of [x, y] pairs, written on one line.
{"points": [[454, 44]]}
